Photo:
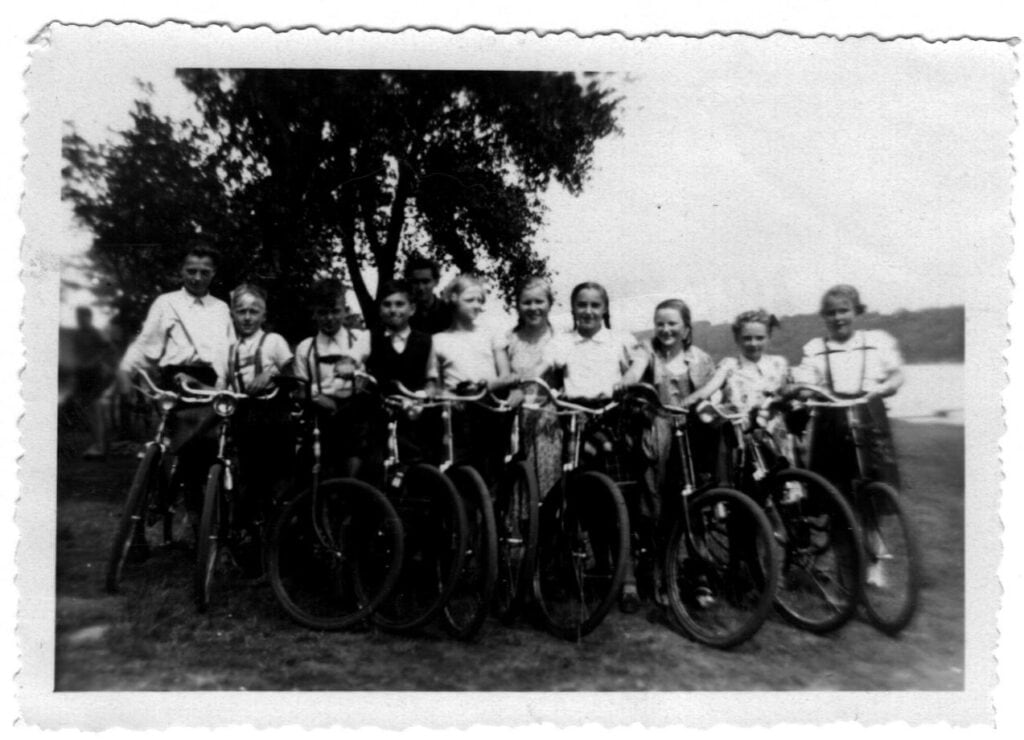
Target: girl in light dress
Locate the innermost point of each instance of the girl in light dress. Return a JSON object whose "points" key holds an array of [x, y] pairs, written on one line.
{"points": [[470, 358], [593, 362], [467, 354]]}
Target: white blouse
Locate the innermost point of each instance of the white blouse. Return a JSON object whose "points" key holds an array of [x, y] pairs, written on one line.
{"points": [[865, 360], [592, 365], [465, 356]]}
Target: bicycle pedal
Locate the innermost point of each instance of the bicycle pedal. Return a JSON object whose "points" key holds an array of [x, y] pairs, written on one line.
{"points": [[704, 596]]}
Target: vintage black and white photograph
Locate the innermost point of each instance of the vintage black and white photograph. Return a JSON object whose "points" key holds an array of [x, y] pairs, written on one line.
{"points": [[477, 363]]}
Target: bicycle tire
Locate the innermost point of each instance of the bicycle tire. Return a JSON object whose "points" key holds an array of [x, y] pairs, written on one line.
{"points": [[336, 584], [132, 524], [208, 537], [889, 608], [466, 609], [435, 527], [820, 561], [515, 514], [721, 589], [583, 543]]}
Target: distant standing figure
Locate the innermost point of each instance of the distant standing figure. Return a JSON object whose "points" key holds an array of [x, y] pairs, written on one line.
{"points": [[432, 315], [94, 365]]}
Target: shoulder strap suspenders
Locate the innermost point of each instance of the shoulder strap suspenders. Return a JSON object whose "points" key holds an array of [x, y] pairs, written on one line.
{"points": [[184, 329], [236, 362], [313, 363], [863, 362]]}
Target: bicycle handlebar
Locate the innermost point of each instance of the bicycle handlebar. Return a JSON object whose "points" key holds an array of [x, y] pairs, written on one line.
{"points": [[650, 395], [831, 400], [153, 393], [423, 399], [211, 393], [574, 408]]}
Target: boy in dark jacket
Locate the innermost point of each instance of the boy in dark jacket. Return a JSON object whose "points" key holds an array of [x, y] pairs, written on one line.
{"points": [[401, 354]]}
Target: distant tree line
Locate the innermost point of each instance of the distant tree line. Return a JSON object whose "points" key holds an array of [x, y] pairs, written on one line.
{"points": [[927, 335]]}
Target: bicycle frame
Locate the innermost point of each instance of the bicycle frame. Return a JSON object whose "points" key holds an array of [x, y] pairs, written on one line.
{"points": [[446, 402], [168, 402], [681, 441], [853, 421], [225, 404]]}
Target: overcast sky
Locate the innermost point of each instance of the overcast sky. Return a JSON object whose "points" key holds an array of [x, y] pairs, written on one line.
{"points": [[750, 173]]}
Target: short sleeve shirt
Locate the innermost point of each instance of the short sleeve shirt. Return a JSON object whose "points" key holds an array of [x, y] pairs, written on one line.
{"points": [[748, 384], [465, 356], [592, 366], [274, 352], [850, 367], [325, 363]]}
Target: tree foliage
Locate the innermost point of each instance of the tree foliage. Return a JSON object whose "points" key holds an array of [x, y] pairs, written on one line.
{"points": [[302, 173]]}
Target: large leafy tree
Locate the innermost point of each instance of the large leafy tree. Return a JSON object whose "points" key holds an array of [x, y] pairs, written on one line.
{"points": [[308, 172]]}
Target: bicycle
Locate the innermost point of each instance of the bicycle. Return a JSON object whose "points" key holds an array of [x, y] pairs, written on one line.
{"points": [[582, 534], [516, 504], [890, 589], [219, 524], [335, 548], [719, 564], [152, 496], [466, 603], [814, 527]]}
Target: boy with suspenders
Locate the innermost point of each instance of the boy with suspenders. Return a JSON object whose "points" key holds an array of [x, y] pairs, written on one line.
{"points": [[327, 360], [187, 334]]}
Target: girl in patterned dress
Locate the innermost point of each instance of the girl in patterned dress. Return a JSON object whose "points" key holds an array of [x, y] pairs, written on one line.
{"points": [[747, 380], [525, 350]]}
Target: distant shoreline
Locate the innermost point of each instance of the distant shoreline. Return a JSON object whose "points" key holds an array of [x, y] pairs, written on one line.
{"points": [[925, 336]]}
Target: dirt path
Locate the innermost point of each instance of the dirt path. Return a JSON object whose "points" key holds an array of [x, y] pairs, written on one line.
{"points": [[150, 637]]}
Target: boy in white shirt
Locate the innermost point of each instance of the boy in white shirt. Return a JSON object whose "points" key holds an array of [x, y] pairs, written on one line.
{"points": [[327, 360], [186, 331], [187, 335]]}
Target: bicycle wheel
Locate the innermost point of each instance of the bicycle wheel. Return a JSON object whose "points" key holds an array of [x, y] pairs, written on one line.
{"points": [[721, 578], [208, 536], [131, 529], [434, 522], [892, 579], [333, 575], [820, 543], [582, 546], [515, 513], [466, 609]]}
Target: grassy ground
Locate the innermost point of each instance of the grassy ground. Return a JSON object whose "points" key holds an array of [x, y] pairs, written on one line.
{"points": [[151, 638]]}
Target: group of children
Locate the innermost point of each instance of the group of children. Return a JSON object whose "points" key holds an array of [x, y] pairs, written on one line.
{"points": [[429, 344]]}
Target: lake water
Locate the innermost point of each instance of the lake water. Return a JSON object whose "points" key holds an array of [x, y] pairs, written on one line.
{"points": [[931, 393]]}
